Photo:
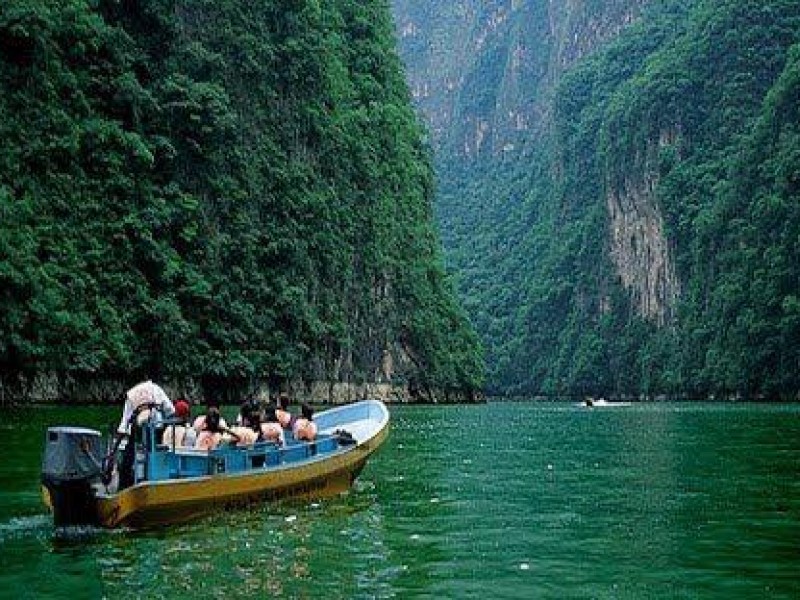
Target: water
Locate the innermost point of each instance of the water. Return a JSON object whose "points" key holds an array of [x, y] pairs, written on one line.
{"points": [[505, 500]]}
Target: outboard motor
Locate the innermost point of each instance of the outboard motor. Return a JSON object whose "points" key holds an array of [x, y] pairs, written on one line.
{"points": [[71, 464]]}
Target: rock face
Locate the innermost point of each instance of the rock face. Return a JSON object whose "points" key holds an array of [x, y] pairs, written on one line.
{"points": [[393, 381], [483, 73], [640, 251], [52, 389]]}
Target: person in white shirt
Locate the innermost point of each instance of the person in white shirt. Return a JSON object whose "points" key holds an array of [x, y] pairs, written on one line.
{"points": [[145, 393]]}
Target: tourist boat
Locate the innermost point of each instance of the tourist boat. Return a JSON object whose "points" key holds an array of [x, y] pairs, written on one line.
{"points": [[175, 485], [590, 402]]}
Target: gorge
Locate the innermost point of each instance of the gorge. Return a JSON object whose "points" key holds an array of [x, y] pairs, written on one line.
{"points": [[617, 189]]}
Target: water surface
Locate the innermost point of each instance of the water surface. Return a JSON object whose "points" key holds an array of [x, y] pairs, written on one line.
{"points": [[504, 500]]}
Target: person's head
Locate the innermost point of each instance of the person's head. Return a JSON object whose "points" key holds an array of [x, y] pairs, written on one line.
{"points": [[182, 409], [245, 411], [254, 421], [212, 419], [270, 415], [307, 411], [283, 402]]}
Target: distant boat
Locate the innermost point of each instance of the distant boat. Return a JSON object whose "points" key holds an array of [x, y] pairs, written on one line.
{"points": [[175, 485], [601, 403]]}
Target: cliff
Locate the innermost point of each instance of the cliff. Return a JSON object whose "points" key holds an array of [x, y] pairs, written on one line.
{"points": [[600, 193], [229, 197]]}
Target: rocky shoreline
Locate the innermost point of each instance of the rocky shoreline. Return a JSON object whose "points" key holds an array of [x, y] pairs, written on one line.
{"points": [[56, 389]]}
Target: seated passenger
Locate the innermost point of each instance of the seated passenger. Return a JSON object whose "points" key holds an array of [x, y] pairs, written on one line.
{"points": [[285, 418], [271, 429], [246, 411], [304, 428], [182, 436], [240, 436], [211, 434], [199, 422]]}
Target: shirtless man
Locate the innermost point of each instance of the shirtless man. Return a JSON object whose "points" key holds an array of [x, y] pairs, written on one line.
{"points": [[271, 429], [304, 428], [285, 418]]}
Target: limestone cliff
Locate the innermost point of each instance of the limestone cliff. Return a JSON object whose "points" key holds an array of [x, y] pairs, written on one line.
{"points": [[483, 73], [640, 251]]}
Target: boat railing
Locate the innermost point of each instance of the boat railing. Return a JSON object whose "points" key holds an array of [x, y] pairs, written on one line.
{"points": [[158, 462]]}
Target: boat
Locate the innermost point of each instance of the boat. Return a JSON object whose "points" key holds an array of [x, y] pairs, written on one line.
{"points": [[601, 403], [173, 485]]}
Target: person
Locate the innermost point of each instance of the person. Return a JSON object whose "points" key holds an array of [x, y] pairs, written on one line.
{"points": [[271, 429], [248, 409], [200, 422], [304, 427], [240, 436], [182, 435], [211, 434], [247, 431], [138, 401], [285, 418], [140, 397]]}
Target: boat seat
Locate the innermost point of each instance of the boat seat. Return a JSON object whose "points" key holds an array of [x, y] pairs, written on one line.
{"points": [[191, 462]]}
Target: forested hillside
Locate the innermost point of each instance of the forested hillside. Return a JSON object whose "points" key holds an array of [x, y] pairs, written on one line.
{"points": [[220, 193], [619, 189]]}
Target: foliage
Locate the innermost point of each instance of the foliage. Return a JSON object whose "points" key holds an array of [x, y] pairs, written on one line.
{"points": [[698, 96], [225, 191]]}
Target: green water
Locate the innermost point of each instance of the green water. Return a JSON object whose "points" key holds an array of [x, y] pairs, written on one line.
{"points": [[505, 500]]}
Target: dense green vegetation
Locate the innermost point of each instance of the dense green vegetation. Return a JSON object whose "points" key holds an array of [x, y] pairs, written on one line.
{"points": [[223, 191], [697, 97]]}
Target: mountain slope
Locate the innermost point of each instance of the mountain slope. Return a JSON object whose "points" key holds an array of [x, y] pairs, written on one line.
{"points": [[219, 194], [619, 246]]}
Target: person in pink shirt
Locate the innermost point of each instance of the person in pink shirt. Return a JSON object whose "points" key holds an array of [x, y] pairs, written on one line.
{"points": [[211, 434], [240, 436], [304, 427], [285, 418], [271, 429]]}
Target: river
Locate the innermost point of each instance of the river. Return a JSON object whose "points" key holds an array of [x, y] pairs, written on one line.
{"points": [[502, 500]]}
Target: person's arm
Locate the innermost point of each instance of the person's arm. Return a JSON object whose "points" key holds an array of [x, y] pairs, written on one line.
{"points": [[127, 412], [233, 435], [165, 405]]}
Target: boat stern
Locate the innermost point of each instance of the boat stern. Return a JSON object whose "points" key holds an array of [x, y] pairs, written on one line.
{"points": [[71, 467]]}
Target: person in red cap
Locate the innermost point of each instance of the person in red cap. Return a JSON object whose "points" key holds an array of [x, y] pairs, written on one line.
{"points": [[182, 435], [182, 409]]}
